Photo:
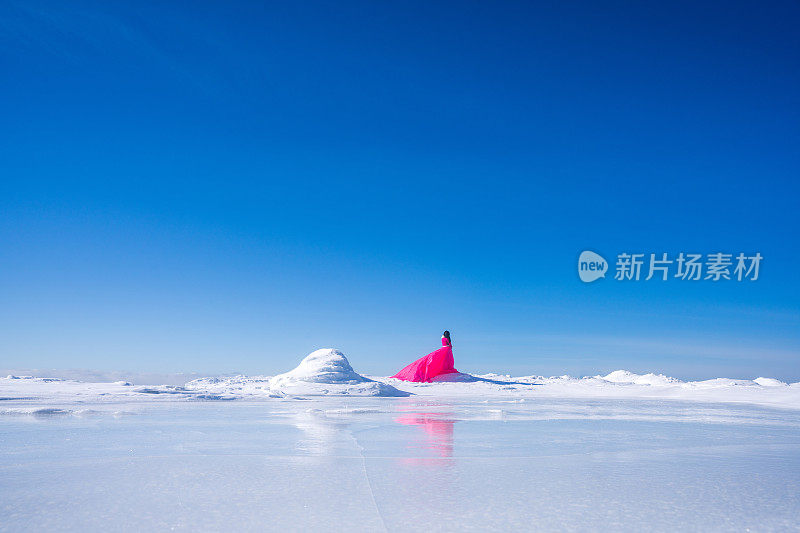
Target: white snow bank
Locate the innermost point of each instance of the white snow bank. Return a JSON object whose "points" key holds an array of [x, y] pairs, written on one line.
{"points": [[328, 372], [617, 384]]}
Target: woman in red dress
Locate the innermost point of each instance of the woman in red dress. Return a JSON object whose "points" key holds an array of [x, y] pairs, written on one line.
{"points": [[434, 364]]}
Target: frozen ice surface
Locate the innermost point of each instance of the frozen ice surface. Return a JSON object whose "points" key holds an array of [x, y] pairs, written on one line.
{"points": [[493, 454]]}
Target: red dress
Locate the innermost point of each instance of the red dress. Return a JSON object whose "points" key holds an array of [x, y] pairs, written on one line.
{"points": [[434, 364]]}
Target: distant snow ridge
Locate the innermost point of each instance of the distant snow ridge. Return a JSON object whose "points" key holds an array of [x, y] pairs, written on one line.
{"points": [[770, 382], [32, 378], [624, 376], [328, 372]]}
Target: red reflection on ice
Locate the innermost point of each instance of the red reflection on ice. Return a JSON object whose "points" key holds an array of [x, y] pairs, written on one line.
{"points": [[438, 431]]}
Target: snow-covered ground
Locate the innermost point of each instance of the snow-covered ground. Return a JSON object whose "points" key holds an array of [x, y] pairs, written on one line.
{"points": [[325, 448]]}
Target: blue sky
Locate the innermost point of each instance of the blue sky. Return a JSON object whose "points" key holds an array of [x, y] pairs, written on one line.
{"points": [[221, 188]]}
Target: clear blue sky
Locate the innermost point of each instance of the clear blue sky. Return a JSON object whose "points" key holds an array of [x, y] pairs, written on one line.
{"points": [[227, 186]]}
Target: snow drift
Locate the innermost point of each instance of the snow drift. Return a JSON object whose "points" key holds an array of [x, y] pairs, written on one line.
{"points": [[326, 372]]}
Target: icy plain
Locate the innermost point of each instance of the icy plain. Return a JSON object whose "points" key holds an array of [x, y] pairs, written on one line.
{"points": [[623, 452]]}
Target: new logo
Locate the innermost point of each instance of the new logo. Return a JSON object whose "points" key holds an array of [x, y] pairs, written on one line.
{"points": [[591, 266]]}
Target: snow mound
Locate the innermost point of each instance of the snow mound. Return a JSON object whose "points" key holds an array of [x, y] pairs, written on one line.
{"points": [[322, 366], [721, 383], [328, 372], [770, 382]]}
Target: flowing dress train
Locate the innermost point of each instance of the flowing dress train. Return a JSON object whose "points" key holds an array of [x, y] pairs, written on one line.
{"points": [[434, 364]]}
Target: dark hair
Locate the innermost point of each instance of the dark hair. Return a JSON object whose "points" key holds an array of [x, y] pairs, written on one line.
{"points": [[446, 335]]}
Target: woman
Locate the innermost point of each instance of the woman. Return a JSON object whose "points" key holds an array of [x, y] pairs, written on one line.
{"points": [[434, 364]]}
